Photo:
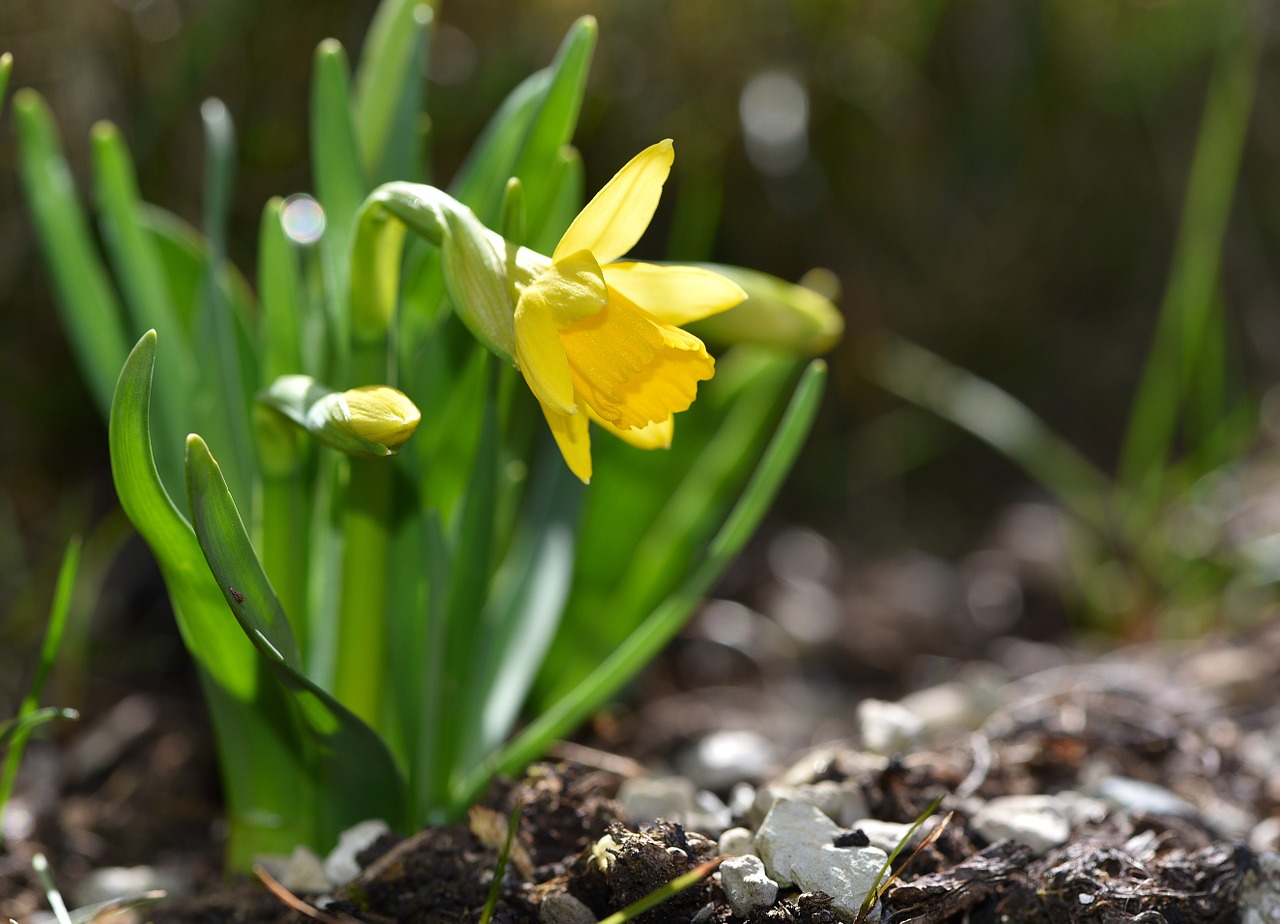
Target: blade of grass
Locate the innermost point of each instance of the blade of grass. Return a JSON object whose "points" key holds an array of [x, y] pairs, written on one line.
{"points": [[41, 866], [58, 613], [995, 417], [662, 893], [90, 312], [1190, 294], [6, 68], [495, 887], [648, 638], [10, 728]]}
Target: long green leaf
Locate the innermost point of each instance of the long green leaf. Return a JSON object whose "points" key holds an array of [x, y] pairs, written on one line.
{"points": [[649, 514], [557, 118], [354, 774], [90, 311], [662, 624], [339, 179], [389, 90], [270, 799], [6, 68]]}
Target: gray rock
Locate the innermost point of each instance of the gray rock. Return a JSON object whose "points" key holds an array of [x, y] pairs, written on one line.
{"points": [[737, 842], [340, 866], [1259, 898], [112, 882], [304, 873], [746, 884], [722, 758], [841, 802], [795, 841], [1040, 822], [1265, 836], [887, 835], [887, 728], [646, 799], [1130, 795], [563, 908]]}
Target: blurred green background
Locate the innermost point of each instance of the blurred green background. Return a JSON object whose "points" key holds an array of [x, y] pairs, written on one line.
{"points": [[998, 180]]}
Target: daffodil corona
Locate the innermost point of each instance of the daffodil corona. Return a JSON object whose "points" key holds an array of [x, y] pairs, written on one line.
{"points": [[599, 340]]}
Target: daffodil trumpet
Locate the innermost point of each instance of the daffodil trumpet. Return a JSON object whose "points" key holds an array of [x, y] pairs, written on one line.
{"points": [[597, 339]]}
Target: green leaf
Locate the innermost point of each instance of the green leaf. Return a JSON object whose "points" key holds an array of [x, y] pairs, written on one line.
{"points": [[649, 514], [553, 126], [90, 312], [271, 800], [280, 294], [141, 274], [338, 175], [666, 619], [353, 773], [6, 68], [389, 90]]}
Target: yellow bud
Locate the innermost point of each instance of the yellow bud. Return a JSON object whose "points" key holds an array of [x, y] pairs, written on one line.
{"points": [[378, 413]]}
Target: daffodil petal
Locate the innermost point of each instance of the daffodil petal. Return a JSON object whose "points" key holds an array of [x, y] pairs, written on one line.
{"points": [[574, 440], [656, 435], [540, 354], [675, 295], [615, 219], [573, 288]]}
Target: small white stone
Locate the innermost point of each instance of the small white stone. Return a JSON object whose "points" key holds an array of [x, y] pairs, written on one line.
{"points": [[1265, 836], [790, 831], [1037, 821], [563, 908], [796, 843], [746, 884], [725, 757], [340, 866], [841, 802], [646, 799], [887, 835], [737, 842], [1130, 795], [887, 728], [1258, 900], [304, 874]]}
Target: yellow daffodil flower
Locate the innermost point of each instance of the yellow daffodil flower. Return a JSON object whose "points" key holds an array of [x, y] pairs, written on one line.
{"points": [[601, 340]]}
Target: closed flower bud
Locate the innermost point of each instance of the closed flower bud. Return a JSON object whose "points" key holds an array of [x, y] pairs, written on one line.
{"points": [[373, 420]]}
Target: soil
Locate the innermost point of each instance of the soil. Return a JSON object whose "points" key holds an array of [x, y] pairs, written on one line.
{"points": [[135, 787]]}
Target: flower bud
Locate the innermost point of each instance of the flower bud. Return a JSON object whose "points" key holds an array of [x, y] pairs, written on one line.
{"points": [[373, 420], [779, 314]]}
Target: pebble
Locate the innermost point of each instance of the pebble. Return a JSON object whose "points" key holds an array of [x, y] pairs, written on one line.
{"points": [[113, 882], [1130, 795], [1258, 901], [746, 884], [304, 873], [340, 866], [796, 843], [841, 802], [887, 728], [720, 759], [737, 842], [674, 798], [1265, 836], [1038, 821], [887, 835], [563, 908]]}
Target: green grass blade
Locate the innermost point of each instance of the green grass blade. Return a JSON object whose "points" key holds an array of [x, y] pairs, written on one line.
{"points": [[662, 624], [339, 179], [10, 728], [389, 84], [995, 417], [90, 311], [29, 713], [1191, 293]]}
